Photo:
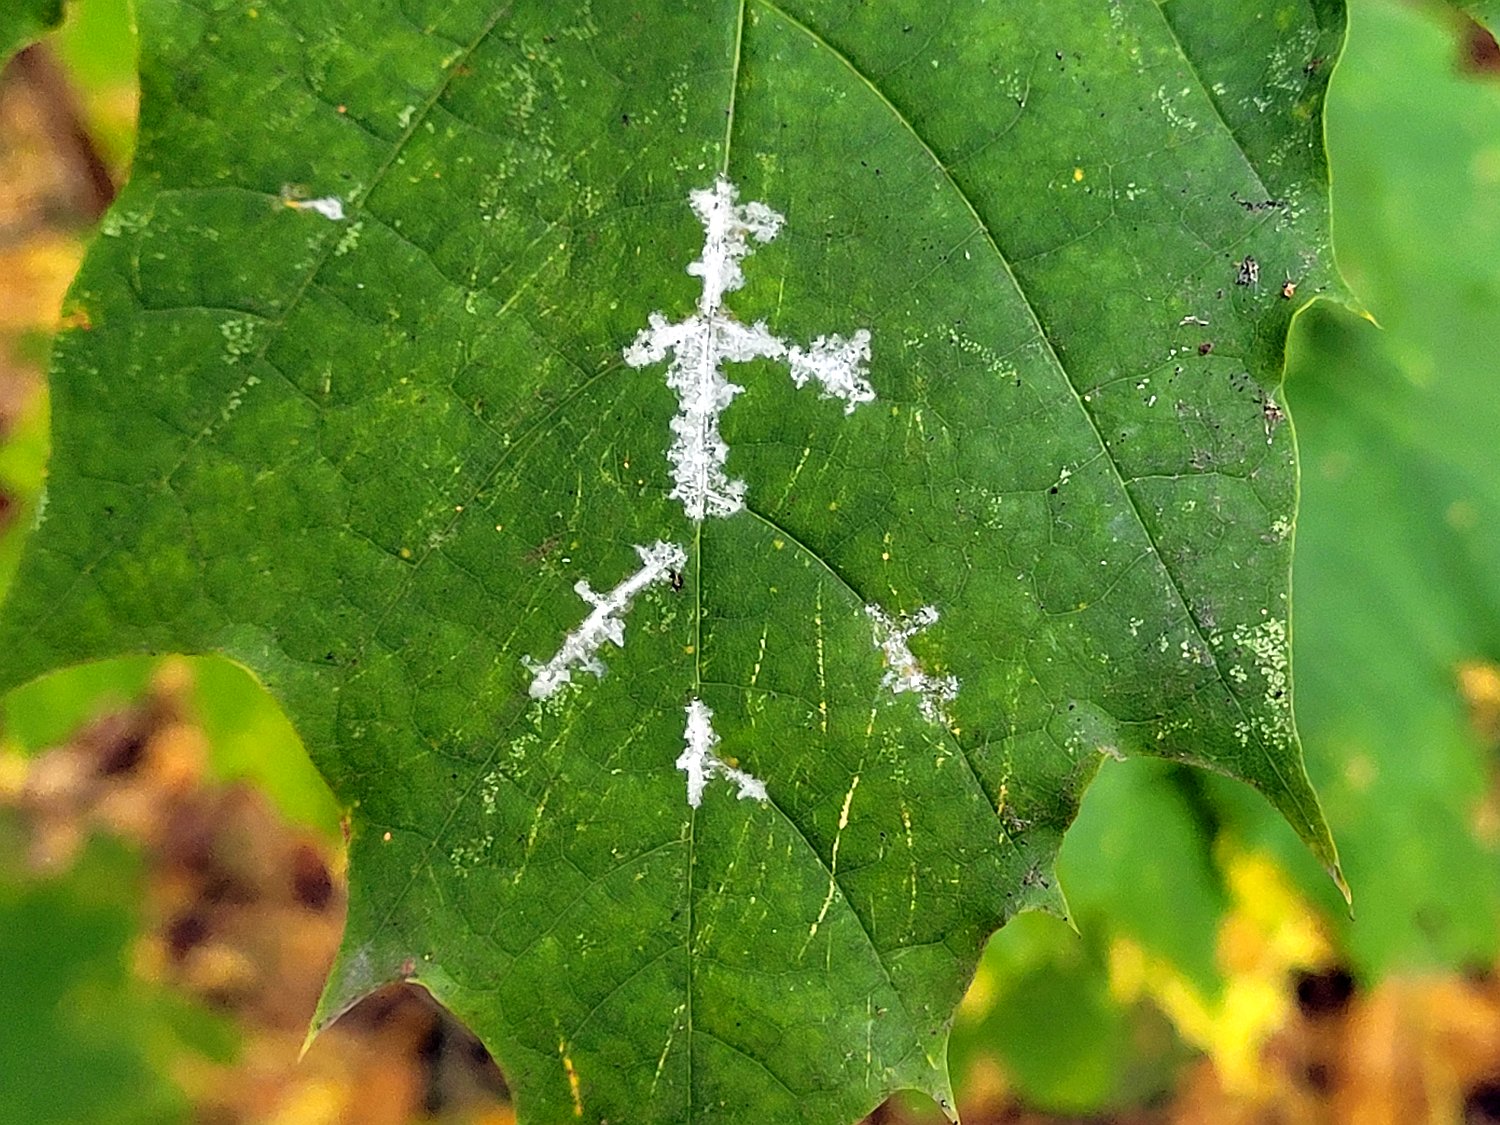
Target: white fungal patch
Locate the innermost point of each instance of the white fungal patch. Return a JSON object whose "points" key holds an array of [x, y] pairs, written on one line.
{"points": [[838, 364], [902, 672], [699, 762], [604, 623], [700, 344], [331, 207]]}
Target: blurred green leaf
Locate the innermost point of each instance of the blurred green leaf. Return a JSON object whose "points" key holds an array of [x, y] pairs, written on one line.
{"points": [[1042, 1008], [247, 734], [97, 45], [1486, 12], [1137, 863], [1075, 1066], [23, 459], [47, 711], [250, 737]]}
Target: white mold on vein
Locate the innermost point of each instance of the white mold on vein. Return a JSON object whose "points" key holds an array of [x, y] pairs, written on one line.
{"points": [[902, 672], [581, 647], [699, 762], [700, 344]]}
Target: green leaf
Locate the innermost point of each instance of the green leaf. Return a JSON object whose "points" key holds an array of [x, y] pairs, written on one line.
{"points": [[25, 20], [1400, 540], [366, 449]]}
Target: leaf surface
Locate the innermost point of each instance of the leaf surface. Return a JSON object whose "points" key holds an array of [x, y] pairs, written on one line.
{"points": [[349, 402]]}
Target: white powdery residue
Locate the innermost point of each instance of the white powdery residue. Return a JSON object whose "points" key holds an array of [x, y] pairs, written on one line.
{"points": [[699, 762], [604, 623], [331, 207], [725, 227], [902, 672], [700, 344], [838, 364]]}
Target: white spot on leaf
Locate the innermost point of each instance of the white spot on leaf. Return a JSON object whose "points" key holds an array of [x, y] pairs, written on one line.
{"points": [[605, 623], [331, 207], [699, 762], [701, 343], [902, 672]]}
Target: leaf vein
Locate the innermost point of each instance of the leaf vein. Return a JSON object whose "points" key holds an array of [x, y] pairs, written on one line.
{"points": [[1173, 581]]}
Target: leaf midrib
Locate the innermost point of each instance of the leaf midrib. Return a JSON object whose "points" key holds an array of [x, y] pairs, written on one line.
{"points": [[692, 825]]}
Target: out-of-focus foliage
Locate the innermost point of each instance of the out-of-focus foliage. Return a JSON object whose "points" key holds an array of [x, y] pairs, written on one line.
{"points": [[248, 736], [232, 909], [23, 456], [97, 45], [1486, 12], [85, 1041]]}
